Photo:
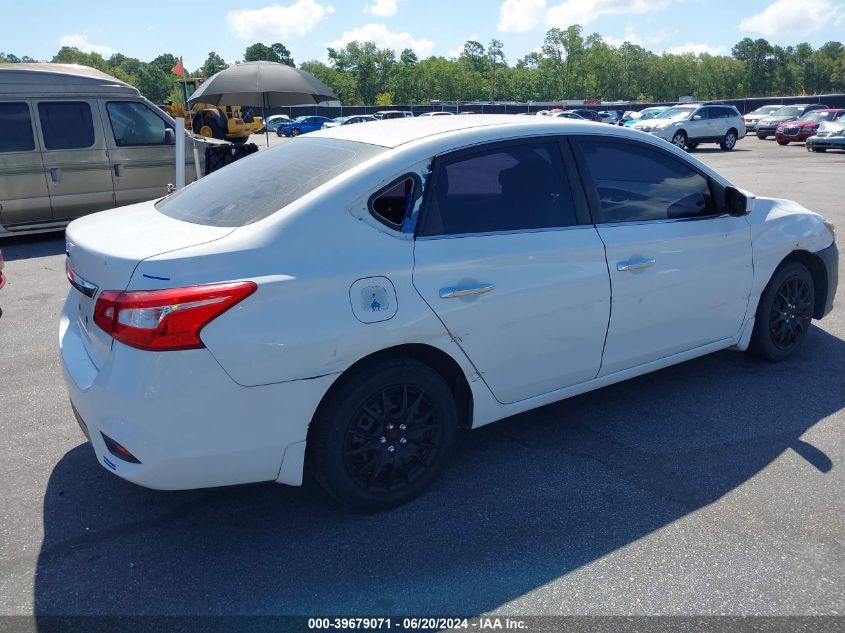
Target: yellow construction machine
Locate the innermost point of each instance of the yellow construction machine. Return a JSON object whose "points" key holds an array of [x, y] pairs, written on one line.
{"points": [[226, 123]]}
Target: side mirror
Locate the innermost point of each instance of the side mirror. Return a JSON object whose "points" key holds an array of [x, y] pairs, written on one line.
{"points": [[736, 202], [169, 136], [697, 117]]}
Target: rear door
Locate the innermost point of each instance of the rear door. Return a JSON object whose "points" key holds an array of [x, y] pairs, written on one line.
{"points": [[680, 271], [24, 198], [75, 157], [503, 260], [142, 153]]}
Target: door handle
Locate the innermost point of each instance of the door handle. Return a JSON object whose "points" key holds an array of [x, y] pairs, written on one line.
{"points": [[634, 264], [56, 174], [118, 170], [464, 291]]}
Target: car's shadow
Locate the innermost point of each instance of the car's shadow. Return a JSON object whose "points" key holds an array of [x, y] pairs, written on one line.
{"points": [[523, 503], [29, 246]]}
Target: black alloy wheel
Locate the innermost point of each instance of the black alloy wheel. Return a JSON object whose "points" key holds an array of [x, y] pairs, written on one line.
{"points": [[383, 433], [784, 313]]}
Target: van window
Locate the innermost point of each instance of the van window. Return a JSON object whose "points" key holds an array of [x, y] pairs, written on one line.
{"points": [[66, 124], [133, 123], [257, 186], [15, 128]]}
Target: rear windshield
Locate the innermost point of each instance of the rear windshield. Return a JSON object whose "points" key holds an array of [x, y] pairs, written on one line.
{"points": [[253, 188], [789, 111]]}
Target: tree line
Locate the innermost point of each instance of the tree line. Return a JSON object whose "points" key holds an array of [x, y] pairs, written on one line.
{"points": [[568, 65]]}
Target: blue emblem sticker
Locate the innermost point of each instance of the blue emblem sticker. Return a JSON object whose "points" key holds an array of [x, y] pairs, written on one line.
{"points": [[373, 299]]}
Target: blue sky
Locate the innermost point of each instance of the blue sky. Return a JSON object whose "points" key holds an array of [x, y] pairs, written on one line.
{"points": [[430, 27]]}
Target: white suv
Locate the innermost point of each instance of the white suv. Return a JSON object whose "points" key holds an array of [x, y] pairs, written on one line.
{"points": [[690, 124]]}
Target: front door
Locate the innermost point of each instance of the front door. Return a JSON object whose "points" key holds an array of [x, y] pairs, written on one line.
{"points": [[680, 270], [502, 260], [142, 152], [75, 157]]}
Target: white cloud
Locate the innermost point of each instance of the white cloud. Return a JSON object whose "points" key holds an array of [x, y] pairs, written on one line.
{"points": [[695, 49], [383, 8], [277, 21], [519, 16], [77, 40], [795, 18], [631, 36], [579, 12], [384, 38]]}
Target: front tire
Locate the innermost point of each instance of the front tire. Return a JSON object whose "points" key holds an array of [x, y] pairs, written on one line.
{"points": [[679, 140], [762, 137], [784, 313], [294, 131], [383, 434], [729, 142], [782, 142]]}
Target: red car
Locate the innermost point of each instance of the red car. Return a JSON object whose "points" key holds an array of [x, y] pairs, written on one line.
{"points": [[805, 127], [2, 276]]}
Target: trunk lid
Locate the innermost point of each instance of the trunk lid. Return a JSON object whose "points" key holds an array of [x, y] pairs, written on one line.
{"points": [[103, 251]]}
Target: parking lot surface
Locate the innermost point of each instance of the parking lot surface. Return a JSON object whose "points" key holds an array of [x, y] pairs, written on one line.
{"points": [[712, 487]]}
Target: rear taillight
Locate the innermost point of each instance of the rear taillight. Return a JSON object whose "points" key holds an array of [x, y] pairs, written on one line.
{"points": [[163, 320]]}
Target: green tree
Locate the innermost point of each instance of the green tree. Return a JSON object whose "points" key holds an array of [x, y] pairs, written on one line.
{"points": [[153, 83], [213, 64], [274, 53], [496, 58]]}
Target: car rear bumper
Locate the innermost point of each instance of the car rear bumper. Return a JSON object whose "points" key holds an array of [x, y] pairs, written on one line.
{"points": [[184, 419], [830, 258]]}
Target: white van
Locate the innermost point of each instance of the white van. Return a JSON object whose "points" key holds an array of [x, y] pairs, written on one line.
{"points": [[74, 140]]}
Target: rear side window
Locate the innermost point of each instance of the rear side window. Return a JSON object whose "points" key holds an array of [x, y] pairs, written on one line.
{"points": [[635, 183], [15, 128], [506, 188], [255, 187], [133, 123], [393, 204], [66, 124]]}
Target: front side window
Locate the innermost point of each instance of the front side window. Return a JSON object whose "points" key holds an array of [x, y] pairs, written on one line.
{"points": [[66, 124], [15, 128], [507, 188], [133, 123], [636, 183]]}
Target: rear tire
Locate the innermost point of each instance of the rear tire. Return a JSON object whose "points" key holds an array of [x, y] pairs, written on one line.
{"points": [[383, 434], [762, 137], [784, 313], [729, 142], [692, 145]]}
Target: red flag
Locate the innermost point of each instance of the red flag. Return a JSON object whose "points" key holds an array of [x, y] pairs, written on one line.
{"points": [[179, 68]]}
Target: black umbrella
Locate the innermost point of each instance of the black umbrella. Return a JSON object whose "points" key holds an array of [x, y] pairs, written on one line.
{"points": [[262, 84]]}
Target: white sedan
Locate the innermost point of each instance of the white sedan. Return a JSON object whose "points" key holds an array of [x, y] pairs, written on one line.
{"points": [[411, 277]]}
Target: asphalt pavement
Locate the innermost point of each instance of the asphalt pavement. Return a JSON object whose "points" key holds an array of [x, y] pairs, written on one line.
{"points": [[712, 487]]}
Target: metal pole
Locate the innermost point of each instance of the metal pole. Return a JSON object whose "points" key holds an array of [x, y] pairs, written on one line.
{"points": [[180, 153]]}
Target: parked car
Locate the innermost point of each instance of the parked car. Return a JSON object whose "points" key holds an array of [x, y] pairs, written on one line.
{"points": [[768, 125], [2, 276], [752, 118], [645, 115], [74, 140], [207, 340], [568, 114], [611, 116], [438, 113], [805, 127], [590, 115], [302, 125], [689, 125], [394, 114], [273, 122], [829, 136], [349, 120]]}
